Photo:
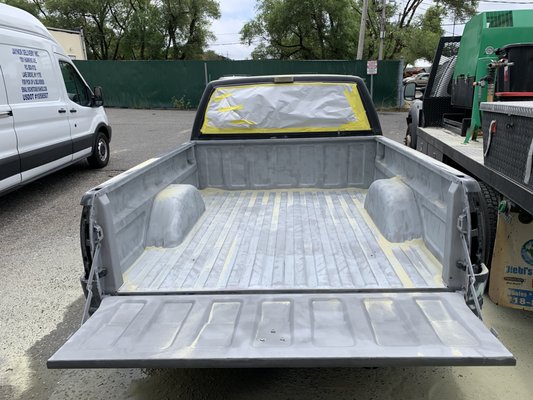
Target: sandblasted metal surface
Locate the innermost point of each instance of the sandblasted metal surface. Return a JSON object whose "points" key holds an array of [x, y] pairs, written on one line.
{"points": [[282, 239], [289, 330]]}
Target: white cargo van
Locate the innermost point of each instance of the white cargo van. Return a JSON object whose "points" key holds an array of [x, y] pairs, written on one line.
{"points": [[49, 117]]}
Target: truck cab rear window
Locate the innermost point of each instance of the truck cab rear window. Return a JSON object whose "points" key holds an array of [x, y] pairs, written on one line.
{"points": [[285, 108]]}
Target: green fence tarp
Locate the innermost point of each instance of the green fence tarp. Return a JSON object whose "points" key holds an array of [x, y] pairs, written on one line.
{"points": [[171, 84]]}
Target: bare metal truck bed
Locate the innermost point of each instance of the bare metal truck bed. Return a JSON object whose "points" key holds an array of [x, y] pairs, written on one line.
{"points": [[260, 248]]}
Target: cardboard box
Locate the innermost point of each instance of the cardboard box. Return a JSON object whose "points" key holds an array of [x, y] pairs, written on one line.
{"points": [[511, 275]]}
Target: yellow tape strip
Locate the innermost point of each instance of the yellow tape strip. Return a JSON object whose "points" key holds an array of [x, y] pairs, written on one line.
{"points": [[231, 108], [242, 122], [352, 96], [222, 96]]}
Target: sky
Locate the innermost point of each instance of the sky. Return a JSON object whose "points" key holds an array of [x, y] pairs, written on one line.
{"points": [[235, 13], [491, 5]]}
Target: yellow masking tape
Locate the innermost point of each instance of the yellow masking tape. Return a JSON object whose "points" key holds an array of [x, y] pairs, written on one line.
{"points": [[242, 122], [231, 108], [351, 94], [358, 109], [222, 97]]}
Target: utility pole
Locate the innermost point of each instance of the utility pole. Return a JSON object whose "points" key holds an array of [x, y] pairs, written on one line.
{"points": [[382, 31], [362, 29]]}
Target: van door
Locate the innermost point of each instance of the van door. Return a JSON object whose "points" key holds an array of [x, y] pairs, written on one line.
{"points": [[79, 110], [9, 156], [32, 80]]}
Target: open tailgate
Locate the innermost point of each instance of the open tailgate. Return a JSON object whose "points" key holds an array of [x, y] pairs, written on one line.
{"points": [[282, 330]]}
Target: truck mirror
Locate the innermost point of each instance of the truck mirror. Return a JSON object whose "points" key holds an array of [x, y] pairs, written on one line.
{"points": [[98, 99], [409, 91]]}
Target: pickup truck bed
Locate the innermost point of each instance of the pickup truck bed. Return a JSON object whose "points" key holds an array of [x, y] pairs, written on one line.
{"points": [[288, 232], [286, 266], [284, 239]]}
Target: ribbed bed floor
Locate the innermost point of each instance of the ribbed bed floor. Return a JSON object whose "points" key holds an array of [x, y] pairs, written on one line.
{"points": [[284, 239]]}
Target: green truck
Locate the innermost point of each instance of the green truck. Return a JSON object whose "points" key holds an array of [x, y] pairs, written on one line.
{"points": [[475, 115]]}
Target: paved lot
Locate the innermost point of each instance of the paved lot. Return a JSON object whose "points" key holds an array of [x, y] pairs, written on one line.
{"points": [[41, 303]]}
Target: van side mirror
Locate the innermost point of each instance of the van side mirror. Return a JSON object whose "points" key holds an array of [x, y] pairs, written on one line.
{"points": [[98, 99], [409, 92]]}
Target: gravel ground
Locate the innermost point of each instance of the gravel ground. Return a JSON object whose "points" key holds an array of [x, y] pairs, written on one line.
{"points": [[41, 303]]}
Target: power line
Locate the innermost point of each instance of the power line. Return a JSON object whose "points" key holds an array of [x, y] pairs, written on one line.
{"points": [[402, 3], [506, 2], [224, 44], [233, 43]]}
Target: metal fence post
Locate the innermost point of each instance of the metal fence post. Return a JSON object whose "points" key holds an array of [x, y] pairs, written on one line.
{"points": [[399, 103], [372, 87]]}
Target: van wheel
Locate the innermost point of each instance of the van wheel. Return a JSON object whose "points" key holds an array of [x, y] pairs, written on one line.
{"points": [[100, 156]]}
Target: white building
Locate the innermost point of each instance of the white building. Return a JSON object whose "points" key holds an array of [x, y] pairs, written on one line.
{"points": [[73, 42]]}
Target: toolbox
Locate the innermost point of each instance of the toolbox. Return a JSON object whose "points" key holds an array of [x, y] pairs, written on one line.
{"points": [[508, 139]]}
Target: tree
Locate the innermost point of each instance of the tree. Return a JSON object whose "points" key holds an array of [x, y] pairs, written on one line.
{"points": [[132, 29], [328, 29], [424, 36], [296, 29], [104, 22], [144, 38], [402, 33], [209, 55], [186, 26]]}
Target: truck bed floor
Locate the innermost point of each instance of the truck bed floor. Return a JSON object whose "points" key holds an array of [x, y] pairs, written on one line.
{"points": [[284, 239]]}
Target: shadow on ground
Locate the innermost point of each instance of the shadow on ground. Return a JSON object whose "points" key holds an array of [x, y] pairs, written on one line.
{"points": [[301, 383], [41, 379]]}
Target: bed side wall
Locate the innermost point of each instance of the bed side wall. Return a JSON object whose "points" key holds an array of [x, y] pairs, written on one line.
{"points": [[122, 208], [440, 194]]}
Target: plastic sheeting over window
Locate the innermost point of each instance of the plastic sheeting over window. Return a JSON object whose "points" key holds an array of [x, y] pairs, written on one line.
{"points": [[293, 107]]}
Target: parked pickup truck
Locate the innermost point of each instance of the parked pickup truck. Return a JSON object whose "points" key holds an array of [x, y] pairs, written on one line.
{"points": [[287, 232]]}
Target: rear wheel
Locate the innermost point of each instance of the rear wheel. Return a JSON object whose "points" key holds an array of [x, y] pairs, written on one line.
{"points": [[489, 208], [410, 136], [100, 156]]}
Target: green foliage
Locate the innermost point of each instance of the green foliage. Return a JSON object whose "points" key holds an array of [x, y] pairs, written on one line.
{"points": [[211, 55], [329, 29], [143, 39], [182, 103], [282, 29], [186, 24], [296, 29], [414, 35], [424, 36], [132, 29]]}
